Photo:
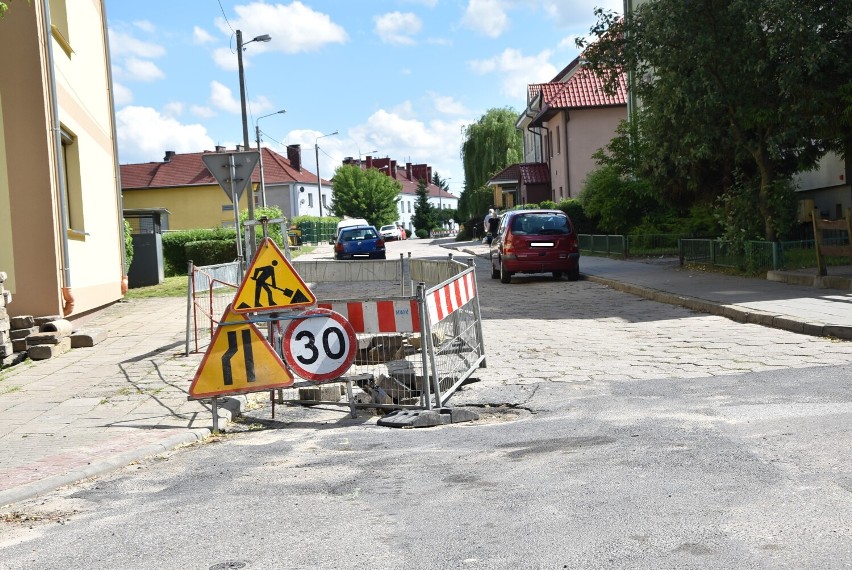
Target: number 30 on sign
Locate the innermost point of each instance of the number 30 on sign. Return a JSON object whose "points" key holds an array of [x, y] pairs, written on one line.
{"points": [[319, 345]]}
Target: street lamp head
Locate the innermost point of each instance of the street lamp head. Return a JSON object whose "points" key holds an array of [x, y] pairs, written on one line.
{"points": [[263, 38]]}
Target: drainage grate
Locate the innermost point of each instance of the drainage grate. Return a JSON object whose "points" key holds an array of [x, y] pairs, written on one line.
{"points": [[229, 565]]}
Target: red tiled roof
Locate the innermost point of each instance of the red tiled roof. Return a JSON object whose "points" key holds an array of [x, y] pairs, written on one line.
{"points": [[584, 89], [525, 172], [189, 170]]}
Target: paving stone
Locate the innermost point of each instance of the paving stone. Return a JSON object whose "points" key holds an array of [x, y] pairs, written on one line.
{"points": [[326, 393], [22, 333], [19, 345], [87, 337], [22, 322], [45, 351], [38, 321], [6, 348], [13, 359], [44, 338]]}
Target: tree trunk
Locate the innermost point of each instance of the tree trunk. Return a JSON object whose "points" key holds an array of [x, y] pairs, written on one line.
{"points": [[764, 166]]}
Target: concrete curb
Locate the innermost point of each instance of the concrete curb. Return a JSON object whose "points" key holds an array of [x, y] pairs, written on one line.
{"points": [[733, 312], [229, 408]]}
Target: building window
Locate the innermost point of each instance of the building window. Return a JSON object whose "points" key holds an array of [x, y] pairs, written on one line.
{"points": [[409, 207], [73, 185], [59, 24], [550, 143], [227, 207], [558, 141], [310, 200]]}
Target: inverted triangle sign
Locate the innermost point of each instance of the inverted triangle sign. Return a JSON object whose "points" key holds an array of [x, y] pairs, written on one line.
{"points": [[219, 164]]}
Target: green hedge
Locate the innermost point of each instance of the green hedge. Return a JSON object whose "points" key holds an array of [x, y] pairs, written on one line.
{"points": [[211, 251], [175, 257]]}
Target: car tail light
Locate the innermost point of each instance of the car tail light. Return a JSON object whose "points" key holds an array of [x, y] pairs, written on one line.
{"points": [[338, 247], [380, 242]]}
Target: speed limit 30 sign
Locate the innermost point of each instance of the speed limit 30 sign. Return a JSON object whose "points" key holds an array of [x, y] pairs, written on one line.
{"points": [[319, 345]]}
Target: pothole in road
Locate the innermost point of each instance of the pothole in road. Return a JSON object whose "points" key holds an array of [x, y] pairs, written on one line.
{"points": [[499, 413]]}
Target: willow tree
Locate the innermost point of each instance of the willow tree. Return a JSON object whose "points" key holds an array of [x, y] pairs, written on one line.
{"points": [[491, 144]]}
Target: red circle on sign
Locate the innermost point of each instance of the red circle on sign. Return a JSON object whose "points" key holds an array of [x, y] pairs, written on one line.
{"points": [[319, 345]]}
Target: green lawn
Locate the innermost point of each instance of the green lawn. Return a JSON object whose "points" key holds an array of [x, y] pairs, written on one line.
{"points": [[176, 286]]}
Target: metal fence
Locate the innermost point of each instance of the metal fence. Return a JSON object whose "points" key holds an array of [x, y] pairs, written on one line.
{"points": [[209, 291], [630, 245], [317, 232], [416, 343]]}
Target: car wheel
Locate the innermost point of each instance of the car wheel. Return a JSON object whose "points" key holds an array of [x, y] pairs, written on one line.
{"points": [[505, 276], [557, 275], [495, 272], [574, 275]]}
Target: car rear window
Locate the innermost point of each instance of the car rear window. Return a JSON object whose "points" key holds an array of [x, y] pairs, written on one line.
{"points": [[358, 234], [540, 224]]}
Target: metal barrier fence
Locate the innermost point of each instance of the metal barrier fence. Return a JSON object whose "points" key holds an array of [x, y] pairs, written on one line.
{"points": [[209, 290], [627, 245], [317, 232], [396, 365]]}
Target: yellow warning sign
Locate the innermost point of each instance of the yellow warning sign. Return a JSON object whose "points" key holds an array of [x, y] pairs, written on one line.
{"points": [[271, 283], [238, 360]]}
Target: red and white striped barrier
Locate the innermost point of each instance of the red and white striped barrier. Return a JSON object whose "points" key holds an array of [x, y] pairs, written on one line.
{"points": [[444, 301], [379, 316]]}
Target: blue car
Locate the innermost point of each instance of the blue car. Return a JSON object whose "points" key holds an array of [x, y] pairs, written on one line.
{"points": [[359, 242]]}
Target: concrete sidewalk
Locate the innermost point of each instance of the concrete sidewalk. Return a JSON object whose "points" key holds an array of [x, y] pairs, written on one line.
{"points": [[795, 301], [97, 409]]}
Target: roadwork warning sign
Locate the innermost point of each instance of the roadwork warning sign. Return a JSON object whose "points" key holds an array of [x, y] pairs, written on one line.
{"points": [[239, 360], [271, 283]]}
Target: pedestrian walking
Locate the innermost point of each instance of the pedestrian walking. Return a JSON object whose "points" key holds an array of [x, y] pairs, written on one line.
{"points": [[490, 226]]}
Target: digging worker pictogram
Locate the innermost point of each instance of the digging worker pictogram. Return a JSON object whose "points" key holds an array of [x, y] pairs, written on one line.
{"points": [[264, 280]]}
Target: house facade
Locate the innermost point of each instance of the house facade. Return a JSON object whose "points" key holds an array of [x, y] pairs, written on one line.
{"points": [[61, 229], [564, 123], [182, 184], [409, 177]]}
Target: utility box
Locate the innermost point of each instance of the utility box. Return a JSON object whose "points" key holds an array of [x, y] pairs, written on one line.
{"points": [[147, 267]]}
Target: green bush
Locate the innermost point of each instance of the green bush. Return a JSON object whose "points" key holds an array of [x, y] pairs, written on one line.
{"points": [[547, 205], [573, 208], [174, 252], [211, 251], [128, 246], [422, 234]]}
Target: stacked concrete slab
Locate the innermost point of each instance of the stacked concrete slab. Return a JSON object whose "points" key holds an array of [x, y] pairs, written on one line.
{"points": [[38, 338]]}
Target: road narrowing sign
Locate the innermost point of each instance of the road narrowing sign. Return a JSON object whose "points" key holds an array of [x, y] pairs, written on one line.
{"points": [[319, 345], [239, 360], [271, 283]]}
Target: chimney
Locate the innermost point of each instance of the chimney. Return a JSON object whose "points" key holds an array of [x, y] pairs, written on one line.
{"points": [[220, 148], [369, 161], [169, 155], [239, 148], [428, 175], [294, 155], [393, 168], [408, 170]]}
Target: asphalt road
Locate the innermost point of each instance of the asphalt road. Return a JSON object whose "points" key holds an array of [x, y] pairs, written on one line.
{"points": [[614, 432]]}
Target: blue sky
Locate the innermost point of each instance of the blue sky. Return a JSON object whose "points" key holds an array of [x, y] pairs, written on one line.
{"points": [[398, 77]]}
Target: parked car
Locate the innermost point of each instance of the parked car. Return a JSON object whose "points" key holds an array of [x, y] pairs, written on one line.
{"points": [[347, 223], [535, 241], [359, 242], [389, 232]]}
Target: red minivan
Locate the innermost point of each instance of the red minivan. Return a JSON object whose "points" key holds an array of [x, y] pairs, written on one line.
{"points": [[535, 241]]}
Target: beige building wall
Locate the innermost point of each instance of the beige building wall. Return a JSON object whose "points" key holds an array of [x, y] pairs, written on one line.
{"points": [[587, 131], [33, 244], [189, 207]]}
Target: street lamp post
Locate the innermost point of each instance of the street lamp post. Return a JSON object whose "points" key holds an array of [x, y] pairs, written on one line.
{"points": [[260, 160], [360, 154], [319, 179], [240, 48]]}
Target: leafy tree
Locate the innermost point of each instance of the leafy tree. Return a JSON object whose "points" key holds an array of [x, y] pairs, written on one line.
{"points": [[4, 6], [128, 246], [491, 144], [751, 86], [365, 193], [273, 230], [425, 215]]}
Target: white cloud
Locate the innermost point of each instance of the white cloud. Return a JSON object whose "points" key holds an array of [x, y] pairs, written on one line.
{"points": [[121, 95], [144, 25], [223, 99], [517, 70], [397, 28], [201, 36], [144, 135], [487, 17], [294, 28], [448, 105], [227, 59], [141, 70], [121, 44], [202, 111], [173, 109]]}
